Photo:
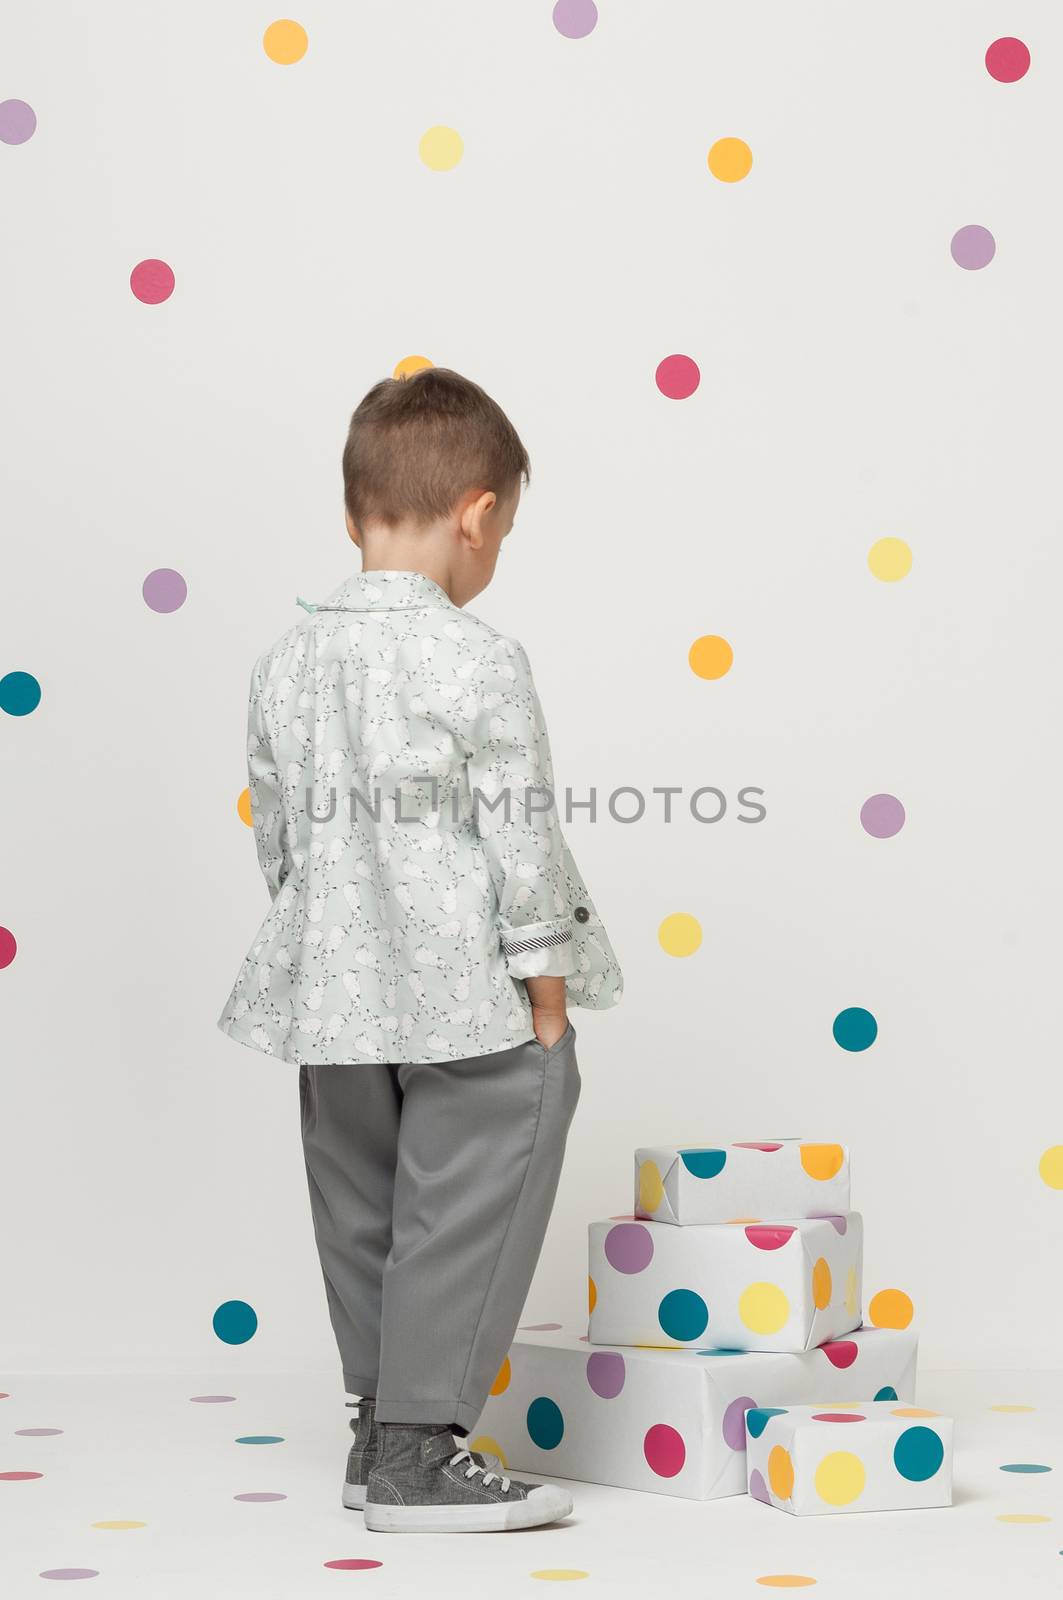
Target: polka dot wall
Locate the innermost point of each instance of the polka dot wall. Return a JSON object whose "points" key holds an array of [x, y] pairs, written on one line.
{"points": [[156, 253]]}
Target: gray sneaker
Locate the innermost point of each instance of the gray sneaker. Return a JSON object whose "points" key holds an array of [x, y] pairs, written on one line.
{"points": [[362, 1454], [425, 1481]]}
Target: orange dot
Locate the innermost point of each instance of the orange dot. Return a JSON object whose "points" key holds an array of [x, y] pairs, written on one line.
{"points": [[912, 1411], [411, 364], [710, 656], [890, 1308], [781, 1472], [786, 1580], [243, 807], [592, 1294], [501, 1383], [822, 1161], [821, 1285]]}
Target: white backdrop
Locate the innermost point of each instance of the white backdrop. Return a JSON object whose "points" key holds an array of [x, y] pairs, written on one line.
{"points": [[855, 384]]}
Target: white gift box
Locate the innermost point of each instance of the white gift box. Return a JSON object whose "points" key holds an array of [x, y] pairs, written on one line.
{"points": [[755, 1182], [668, 1421], [871, 1456], [785, 1286]]}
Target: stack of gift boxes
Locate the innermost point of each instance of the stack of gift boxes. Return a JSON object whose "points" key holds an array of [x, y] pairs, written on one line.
{"points": [[725, 1312]]}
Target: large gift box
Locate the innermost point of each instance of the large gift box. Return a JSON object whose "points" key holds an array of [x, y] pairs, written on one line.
{"points": [[741, 1182], [876, 1456], [669, 1421], [786, 1285]]}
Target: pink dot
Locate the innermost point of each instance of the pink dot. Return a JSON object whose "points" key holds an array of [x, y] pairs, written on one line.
{"points": [[664, 1450], [164, 590], [260, 1495], [19, 1477], [353, 1564], [840, 1352], [152, 281], [837, 1416], [1007, 60], [678, 377], [766, 1147], [768, 1238], [7, 947]]}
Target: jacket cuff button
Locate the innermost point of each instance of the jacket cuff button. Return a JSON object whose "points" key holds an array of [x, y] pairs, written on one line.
{"points": [[581, 914]]}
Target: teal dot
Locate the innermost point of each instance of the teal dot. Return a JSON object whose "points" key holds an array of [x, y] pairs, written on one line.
{"points": [[722, 1352], [704, 1163], [546, 1425], [261, 1438], [1024, 1466], [918, 1454], [757, 1421], [20, 693], [235, 1322], [887, 1393], [683, 1314], [855, 1028]]}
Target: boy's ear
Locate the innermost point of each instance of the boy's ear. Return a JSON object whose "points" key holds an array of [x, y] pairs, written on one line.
{"points": [[351, 529]]}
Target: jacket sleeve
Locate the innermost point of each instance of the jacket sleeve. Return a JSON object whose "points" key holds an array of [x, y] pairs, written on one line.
{"points": [[548, 926], [264, 785]]}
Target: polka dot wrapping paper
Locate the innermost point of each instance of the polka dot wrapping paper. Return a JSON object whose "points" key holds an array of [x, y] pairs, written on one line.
{"points": [[756, 1181], [785, 1286], [667, 1421], [817, 1459]]}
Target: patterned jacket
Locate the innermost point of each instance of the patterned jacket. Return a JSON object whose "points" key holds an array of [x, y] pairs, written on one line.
{"points": [[404, 818]]}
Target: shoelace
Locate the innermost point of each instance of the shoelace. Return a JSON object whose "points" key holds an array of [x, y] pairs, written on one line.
{"points": [[475, 1467]]}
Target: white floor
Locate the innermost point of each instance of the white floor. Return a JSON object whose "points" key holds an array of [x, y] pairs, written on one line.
{"points": [[137, 1450]]}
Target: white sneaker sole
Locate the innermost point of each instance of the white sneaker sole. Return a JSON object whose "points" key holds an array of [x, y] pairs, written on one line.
{"points": [[354, 1496], [546, 1503]]}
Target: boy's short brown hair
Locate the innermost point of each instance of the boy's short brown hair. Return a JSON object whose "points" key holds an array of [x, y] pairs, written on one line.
{"points": [[417, 444]]}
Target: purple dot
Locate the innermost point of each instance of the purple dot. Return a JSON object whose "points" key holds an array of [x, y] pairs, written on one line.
{"points": [[605, 1373], [882, 816], [758, 1488], [37, 1433], [18, 121], [629, 1247], [973, 247], [260, 1496], [69, 1572], [575, 18], [211, 1399], [838, 1223], [734, 1421], [164, 589], [540, 1327]]}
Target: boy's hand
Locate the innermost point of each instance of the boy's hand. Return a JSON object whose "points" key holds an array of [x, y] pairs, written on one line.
{"points": [[548, 1002]]}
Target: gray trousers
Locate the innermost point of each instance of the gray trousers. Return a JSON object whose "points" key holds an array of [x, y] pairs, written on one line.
{"points": [[431, 1186]]}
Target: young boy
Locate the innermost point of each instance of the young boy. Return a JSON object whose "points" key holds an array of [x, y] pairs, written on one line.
{"points": [[427, 930]]}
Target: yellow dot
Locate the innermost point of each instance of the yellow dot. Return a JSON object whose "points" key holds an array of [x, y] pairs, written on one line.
{"points": [[763, 1307], [890, 1308], [119, 1523], [781, 1472], [852, 1299], [1022, 1516], [651, 1189], [822, 1161], [821, 1285], [1012, 1408], [243, 807], [592, 1294], [710, 656], [730, 160], [786, 1580], [486, 1446], [912, 1411], [679, 934], [411, 364], [501, 1383], [890, 559], [1051, 1166], [285, 42], [559, 1574], [441, 148], [840, 1478]]}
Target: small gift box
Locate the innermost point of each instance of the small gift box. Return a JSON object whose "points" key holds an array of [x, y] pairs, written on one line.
{"points": [[755, 1182], [874, 1456], [755, 1286]]}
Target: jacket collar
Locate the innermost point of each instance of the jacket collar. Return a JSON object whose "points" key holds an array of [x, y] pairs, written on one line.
{"points": [[384, 589]]}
